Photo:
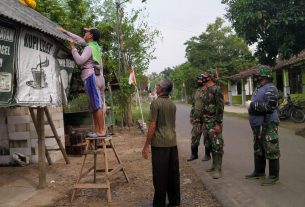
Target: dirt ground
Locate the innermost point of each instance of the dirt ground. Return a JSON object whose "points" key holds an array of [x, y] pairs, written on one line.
{"points": [[138, 192]]}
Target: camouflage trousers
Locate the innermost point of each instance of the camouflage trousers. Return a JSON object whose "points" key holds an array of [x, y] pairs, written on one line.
{"points": [[266, 141], [213, 141], [196, 134]]}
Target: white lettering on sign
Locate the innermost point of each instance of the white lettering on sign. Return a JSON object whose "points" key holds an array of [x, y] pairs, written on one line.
{"points": [[70, 63], [1, 62], [37, 43], [6, 34], [66, 63], [61, 62], [4, 50]]}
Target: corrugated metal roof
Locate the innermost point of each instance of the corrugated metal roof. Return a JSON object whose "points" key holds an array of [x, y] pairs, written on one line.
{"points": [[16, 11], [295, 59], [244, 74]]}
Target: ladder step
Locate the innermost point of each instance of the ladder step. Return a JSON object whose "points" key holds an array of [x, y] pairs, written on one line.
{"points": [[47, 137], [56, 149], [79, 145]]}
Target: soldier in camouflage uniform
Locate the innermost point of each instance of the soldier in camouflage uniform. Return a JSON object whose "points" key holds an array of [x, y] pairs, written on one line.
{"points": [[264, 122], [196, 121], [212, 116]]}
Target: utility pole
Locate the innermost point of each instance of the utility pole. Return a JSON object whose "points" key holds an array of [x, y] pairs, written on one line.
{"points": [[122, 56]]}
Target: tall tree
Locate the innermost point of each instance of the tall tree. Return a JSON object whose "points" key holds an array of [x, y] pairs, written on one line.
{"points": [[219, 47], [278, 27]]}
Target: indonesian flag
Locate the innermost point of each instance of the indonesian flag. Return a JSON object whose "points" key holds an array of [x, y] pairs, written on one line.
{"points": [[132, 77]]}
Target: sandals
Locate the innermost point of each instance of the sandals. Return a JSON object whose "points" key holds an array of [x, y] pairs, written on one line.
{"points": [[95, 135]]}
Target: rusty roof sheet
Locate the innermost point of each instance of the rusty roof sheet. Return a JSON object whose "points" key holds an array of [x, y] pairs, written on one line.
{"points": [[243, 74], [24, 15], [284, 63]]}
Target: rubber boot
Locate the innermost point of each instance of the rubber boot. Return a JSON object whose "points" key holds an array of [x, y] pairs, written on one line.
{"points": [[194, 155], [259, 168], [207, 154], [217, 172], [212, 168], [274, 169]]}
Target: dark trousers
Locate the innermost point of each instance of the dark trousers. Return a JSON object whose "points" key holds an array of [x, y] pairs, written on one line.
{"points": [[166, 176]]}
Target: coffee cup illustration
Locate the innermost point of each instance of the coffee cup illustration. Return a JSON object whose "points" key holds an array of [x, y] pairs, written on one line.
{"points": [[39, 75]]}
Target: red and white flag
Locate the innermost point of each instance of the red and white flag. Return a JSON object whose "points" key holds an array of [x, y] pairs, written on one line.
{"points": [[132, 77]]}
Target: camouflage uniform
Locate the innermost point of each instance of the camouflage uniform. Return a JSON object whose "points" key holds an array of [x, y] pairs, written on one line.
{"points": [[212, 115], [196, 118], [264, 120], [266, 142]]}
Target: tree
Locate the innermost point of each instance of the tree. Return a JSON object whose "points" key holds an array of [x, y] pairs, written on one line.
{"points": [[278, 27], [218, 47]]}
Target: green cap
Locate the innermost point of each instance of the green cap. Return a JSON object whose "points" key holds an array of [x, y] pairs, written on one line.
{"points": [[211, 72], [264, 71]]}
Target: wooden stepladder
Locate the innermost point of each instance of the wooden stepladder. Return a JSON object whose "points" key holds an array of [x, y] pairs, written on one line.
{"points": [[92, 148], [55, 134]]}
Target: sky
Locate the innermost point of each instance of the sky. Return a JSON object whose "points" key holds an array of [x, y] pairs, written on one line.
{"points": [[178, 21]]}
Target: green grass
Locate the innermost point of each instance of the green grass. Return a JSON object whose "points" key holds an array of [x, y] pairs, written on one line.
{"points": [[136, 112], [78, 104], [242, 115]]}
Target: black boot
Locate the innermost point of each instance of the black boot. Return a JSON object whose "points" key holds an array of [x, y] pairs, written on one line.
{"points": [[194, 155], [207, 154], [259, 168], [274, 169], [217, 173]]}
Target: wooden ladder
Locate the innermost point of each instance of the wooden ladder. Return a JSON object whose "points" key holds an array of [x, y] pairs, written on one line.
{"points": [[55, 134], [92, 148]]}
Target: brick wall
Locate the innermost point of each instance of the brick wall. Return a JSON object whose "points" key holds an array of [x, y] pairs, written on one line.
{"points": [[22, 136]]}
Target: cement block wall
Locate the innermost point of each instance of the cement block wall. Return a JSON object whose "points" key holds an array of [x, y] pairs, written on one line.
{"points": [[19, 134]]}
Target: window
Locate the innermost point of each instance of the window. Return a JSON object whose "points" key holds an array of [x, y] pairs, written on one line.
{"points": [[295, 81]]}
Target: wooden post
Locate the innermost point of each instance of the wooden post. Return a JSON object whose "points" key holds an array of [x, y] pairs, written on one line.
{"points": [[36, 127], [41, 148]]}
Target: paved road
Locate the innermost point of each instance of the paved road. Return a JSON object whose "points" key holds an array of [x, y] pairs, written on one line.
{"points": [[233, 189]]}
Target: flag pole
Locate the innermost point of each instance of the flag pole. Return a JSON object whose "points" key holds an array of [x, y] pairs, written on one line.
{"points": [[138, 98]]}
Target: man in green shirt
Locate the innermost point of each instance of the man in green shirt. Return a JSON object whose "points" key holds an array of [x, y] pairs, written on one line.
{"points": [[161, 136]]}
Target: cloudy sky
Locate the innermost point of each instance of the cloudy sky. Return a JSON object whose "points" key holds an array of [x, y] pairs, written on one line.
{"points": [[178, 21]]}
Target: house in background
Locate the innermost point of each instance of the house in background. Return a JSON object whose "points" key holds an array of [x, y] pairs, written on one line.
{"points": [[240, 86], [289, 76]]}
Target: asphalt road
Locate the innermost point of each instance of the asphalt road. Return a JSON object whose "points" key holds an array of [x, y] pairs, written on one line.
{"points": [[233, 189]]}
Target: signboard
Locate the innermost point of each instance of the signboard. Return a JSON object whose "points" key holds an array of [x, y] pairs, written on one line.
{"points": [[67, 66], [7, 52], [38, 75]]}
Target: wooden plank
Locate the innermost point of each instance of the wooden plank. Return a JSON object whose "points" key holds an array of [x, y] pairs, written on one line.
{"points": [[41, 149], [34, 119], [107, 171], [56, 135], [117, 157], [114, 171], [52, 149]]}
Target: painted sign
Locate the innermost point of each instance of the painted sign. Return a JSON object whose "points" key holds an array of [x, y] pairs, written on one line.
{"points": [[67, 67], [7, 52], [38, 72]]}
